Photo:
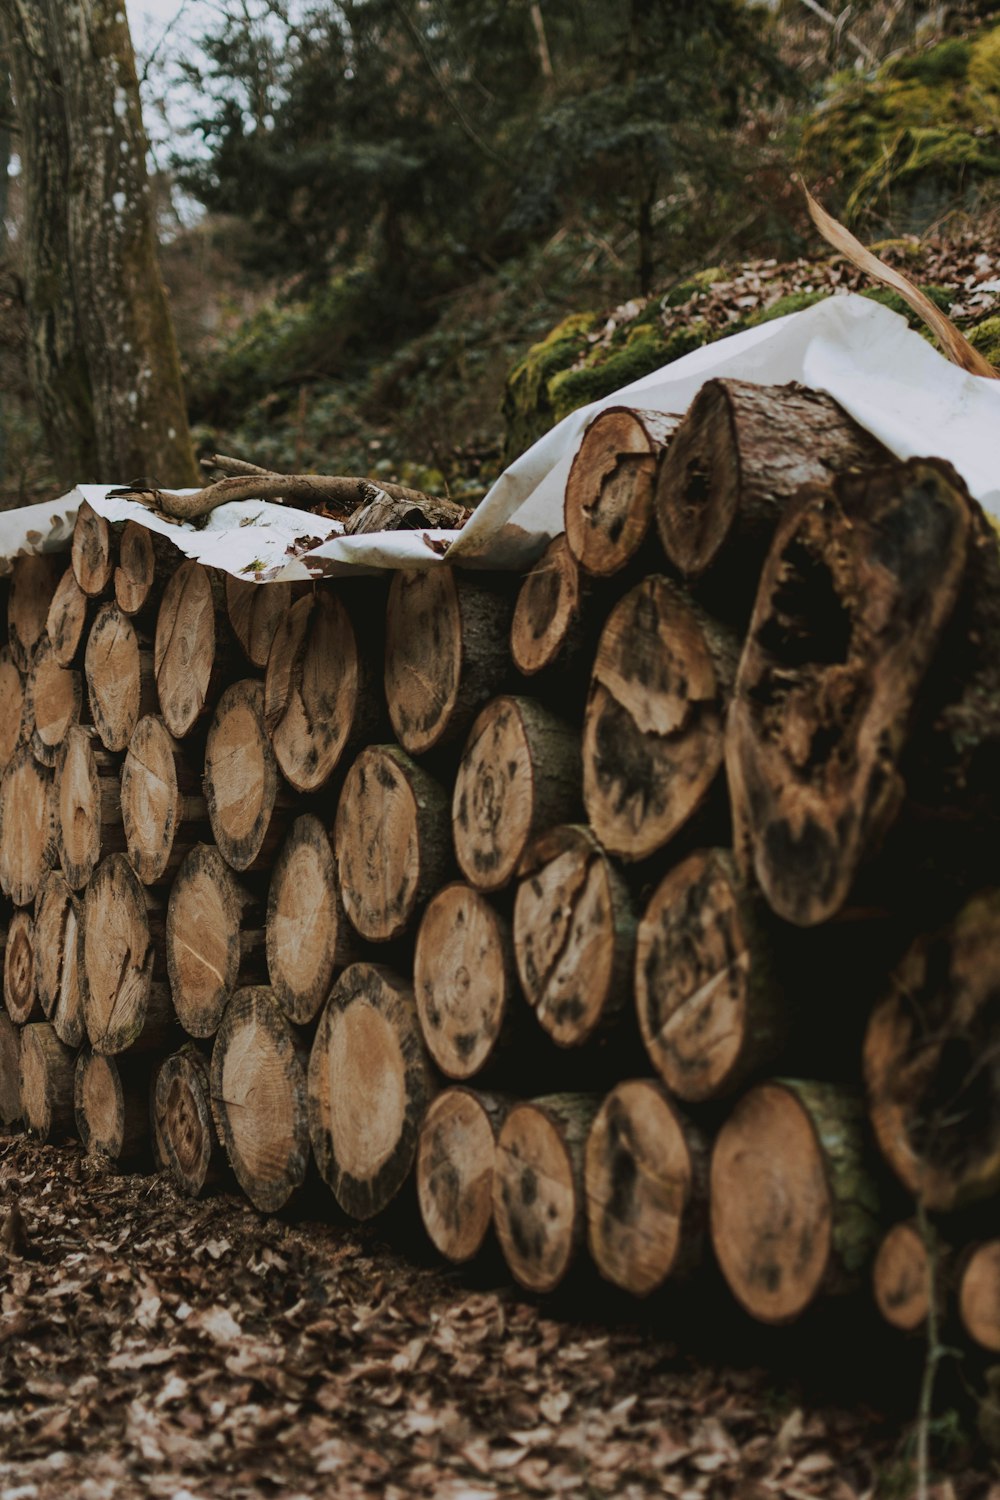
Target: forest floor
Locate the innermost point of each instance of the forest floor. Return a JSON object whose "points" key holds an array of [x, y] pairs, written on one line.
{"points": [[151, 1345]]}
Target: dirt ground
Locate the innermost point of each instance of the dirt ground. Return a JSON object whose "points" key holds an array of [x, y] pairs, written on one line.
{"points": [[154, 1346]]}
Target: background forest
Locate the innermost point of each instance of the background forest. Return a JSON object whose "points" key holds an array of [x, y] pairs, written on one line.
{"points": [[401, 237]]}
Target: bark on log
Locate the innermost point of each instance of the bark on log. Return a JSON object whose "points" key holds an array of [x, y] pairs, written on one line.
{"points": [[646, 1174], [111, 1107], [182, 1114], [609, 493], [539, 1195], [54, 701], [92, 552], [793, 1209], [57, 927], [737, 460], [215, 940], [574, 935], [858, 585], [190, 654], [319, 701], [20, 970], [519, 774], [126, 1000], [391, 842], [446, 654], [10, 1071], [13, 708], [255, 612], [88, 808], [455, 1158], [27, 831], [979, 1295], [120, 682], [711, 1009], [46, 1072], [547, 630], [653, 729], [33, 582], [901, 1277], [463, 979], [259, 1098], [246, 802], [369, 1085], [930, 1062], [164, 812], [67, 619], [307, 933]]}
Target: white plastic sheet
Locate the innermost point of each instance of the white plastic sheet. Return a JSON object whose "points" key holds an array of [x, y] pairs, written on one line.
{"points": [[888, 377]]}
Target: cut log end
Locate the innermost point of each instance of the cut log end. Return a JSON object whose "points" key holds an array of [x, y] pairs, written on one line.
{"points": [[119, 671], [66, 619], [241, 777], [10, 1071], [463, 980], [93, 561], [609, 492], [27, 843], [901, 1278], [125, 1004], [151, 802], [13, 708], [306, 923], [255, 613], [979, 1296], [136, 570], [34, 579], [78, 808], [455, 1173], [184, 656], [314, 693], [57, 924], [538, 1192], [204, 919], [112, 1109], [547, 611], [20, 973], [55, 699], [182, 1111], [46, 1072]]}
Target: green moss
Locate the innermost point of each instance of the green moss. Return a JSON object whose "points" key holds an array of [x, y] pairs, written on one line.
{"points": [[948, 60], [685, 290], [527, 406], [644, 349], [986, 338]]}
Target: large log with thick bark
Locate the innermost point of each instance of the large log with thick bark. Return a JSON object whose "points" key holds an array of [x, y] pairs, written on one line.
{"points": [[57, 955], [711, 1009], [27, 831], [455, 1157], [111, 1107], [930, 1062], [463, 979], [307, 933], [92, 551], [259, 1098], [191, 650], [369, 1085], [163, 807], [65, 623], [793, 1207], [214, 940], [53, 702], [539, 1192], [860, 581], [33, 582], [20, 970], [255, 612], [14, 723], [182, 1120], [519, 774], [120, 682], [739, 457], [126, 1000], [653, 729], [445, 654], [46, 1073], [574, 935], [10, 1071], [609, 493], [88, 806], [319, 700], [646, 1175], [391, 842]]}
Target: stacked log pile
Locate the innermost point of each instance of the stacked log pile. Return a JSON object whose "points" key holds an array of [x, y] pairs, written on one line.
{"points": [[643, 910]]}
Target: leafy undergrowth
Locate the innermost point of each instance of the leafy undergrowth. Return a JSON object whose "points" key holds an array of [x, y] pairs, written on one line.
{"points": [[150, 1345]]}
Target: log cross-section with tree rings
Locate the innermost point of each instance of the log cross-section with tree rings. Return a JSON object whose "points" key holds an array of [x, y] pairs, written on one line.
{"points": [[126, 1001], [57, 926], [463, 979], [27, 833], [793, 1210], [539, 1208], [20, 970], [930, 1062], [646, 1174], [54, 702], [519, 774], [259, 1098], [10, 1071], [317, 702], [215, 940], [979, 1295], [88, 807], [182, 1114], [307, 931], [843, 630], [901, 1277], [162, 801], [391, 842], [34, 579], [13, 707], [574, 935], [111, 1105], [609, 492], [241, 778], [446, 653], [653, 728], [547, 628], [255, 611], [66, 620], [711, 1012], [187, 652], [369, 1085], [91, 551], [46, 1069], [455, 1170], [119, 668], [136, 570]]}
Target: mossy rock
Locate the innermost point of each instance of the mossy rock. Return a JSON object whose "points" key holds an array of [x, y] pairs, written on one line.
{"points": [[527, 406], [923, 134]]}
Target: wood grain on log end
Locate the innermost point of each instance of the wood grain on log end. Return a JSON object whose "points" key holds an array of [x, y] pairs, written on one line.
{"points": [[20, 970], [186, 648], [136, 570], [901, 1277], [27, 831], [10, 1071], [182, 1112], [91, 552], [307, 932], [609, 493], [369, 1085], [46, 1071], [463, 979], [455, 1171], [111, 1106], [14, 726], [241, 778], [126, 1001], [162, 801], [57, 930], [33, 582], [66, 620], [120, 682], [547, 615], [979, 1295], [54, 702], [255, 611], [315, 692], [210, 949], [88, 807]]}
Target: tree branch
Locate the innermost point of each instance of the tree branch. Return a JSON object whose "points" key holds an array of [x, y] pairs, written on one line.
{"points": [[334, 493]]}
